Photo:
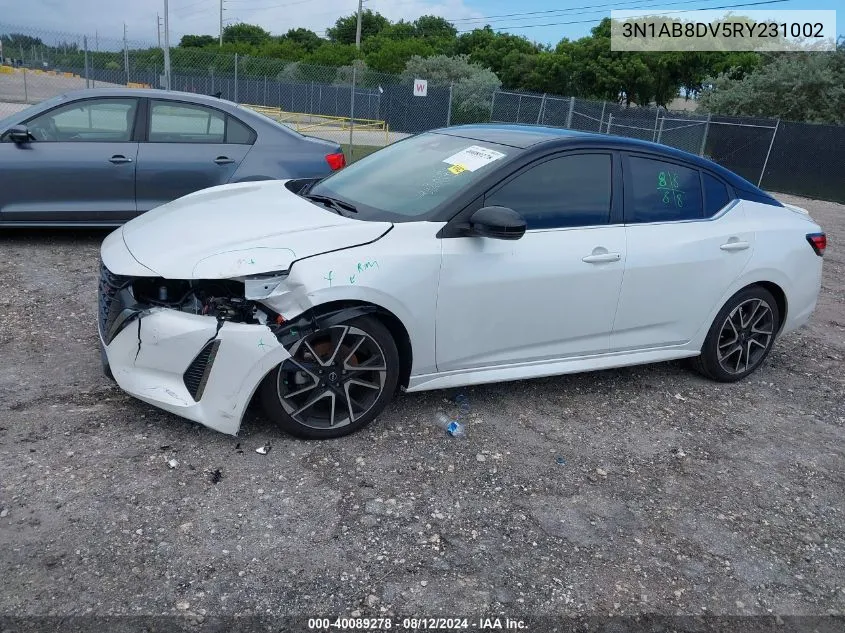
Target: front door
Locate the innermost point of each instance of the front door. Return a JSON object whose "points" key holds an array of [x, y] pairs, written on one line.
{"points": [[79, 167], [551, 294]]}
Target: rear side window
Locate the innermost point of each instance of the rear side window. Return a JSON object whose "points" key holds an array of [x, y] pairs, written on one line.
{"points": [[237, 132], [715, 194], [172, 122], [659, 191]]}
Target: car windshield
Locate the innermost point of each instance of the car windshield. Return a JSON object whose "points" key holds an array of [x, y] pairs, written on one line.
{"points": [[411, 178], [25, 113]]}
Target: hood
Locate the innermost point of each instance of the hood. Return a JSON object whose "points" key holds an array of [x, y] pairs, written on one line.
{"points": [[238, 230]]}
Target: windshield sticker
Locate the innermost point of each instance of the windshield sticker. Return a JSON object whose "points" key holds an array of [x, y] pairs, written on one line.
{"points": [[457, 169], [474, 157]]}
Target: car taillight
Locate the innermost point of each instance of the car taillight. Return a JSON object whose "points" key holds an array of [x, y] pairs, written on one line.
{"points": [[818, 241], [336, 161]]}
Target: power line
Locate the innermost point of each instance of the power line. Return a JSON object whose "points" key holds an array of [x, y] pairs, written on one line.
{"points": [[531, 26], [532, 15]]}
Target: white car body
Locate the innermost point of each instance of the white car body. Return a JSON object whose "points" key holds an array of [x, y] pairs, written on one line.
{"points": [[475, 310]]}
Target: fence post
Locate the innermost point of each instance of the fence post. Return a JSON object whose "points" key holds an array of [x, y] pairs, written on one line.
{"points": [[236, 78], [25, 91], [766, 162], [571, 111], [660, 130], [85, 44], [704, 137], [449, 107], [352, 107], [492, 105], [518, 106], [609, 121], [542, 107], [656, 117], [601, 118], [265, 90]]}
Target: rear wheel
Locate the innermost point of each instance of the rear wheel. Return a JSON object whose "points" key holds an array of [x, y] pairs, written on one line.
{"points": [[337, 380], [741, 336]]}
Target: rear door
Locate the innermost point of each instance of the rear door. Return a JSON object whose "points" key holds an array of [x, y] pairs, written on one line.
{"points": [[80, 167], [188, 147], [687, 242]]}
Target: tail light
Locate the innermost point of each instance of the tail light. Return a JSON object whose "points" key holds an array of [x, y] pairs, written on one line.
{"points": [[336, 161], [818, 241]]}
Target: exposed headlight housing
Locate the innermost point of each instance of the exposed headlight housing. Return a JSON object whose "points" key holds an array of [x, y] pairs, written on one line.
{"points": [[263, 285]]}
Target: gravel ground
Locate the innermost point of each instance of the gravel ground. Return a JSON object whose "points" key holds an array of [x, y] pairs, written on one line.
{"points": [[631, 491]]}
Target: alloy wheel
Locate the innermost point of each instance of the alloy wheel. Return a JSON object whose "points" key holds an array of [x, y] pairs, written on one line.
{"points": [[745, 336], [333, 377]]}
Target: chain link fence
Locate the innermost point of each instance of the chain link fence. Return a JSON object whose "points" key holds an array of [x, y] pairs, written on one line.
{"points": [[363, 110]]}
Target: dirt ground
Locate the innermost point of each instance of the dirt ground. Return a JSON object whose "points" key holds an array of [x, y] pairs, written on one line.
{"points": [[631, 491]]}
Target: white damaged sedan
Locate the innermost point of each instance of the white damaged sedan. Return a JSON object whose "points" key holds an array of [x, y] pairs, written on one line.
{"points": [[461, 256]]}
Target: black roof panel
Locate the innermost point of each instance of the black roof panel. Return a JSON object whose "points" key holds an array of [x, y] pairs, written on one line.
{"points": [[528, 136]]}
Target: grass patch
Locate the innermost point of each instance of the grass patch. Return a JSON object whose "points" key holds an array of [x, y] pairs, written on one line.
{"points": [[359, 151]]}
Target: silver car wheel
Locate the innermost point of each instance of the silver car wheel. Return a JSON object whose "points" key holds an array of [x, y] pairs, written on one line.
{"points": [[334, 377], [746, 336]]}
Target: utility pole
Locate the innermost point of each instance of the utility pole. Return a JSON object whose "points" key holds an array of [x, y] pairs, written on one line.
{"points": [[221, 22], [125, 55], [358, 29], [158, 28], [166, 46]]}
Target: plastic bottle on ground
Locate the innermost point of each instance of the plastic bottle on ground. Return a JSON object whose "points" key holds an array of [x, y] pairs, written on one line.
{"points": [[452, 427]]}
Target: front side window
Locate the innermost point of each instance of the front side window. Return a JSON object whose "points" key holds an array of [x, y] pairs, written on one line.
{"points": [[92, 120], [172, 122], [413, 177], [573, 190], [660, 191]]}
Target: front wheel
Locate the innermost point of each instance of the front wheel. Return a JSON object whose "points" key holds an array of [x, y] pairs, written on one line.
{"points": [[336, 381], [741, 336]]}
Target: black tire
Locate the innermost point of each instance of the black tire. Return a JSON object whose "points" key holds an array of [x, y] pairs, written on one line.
{"points": [[330, 369], [719, 359]]}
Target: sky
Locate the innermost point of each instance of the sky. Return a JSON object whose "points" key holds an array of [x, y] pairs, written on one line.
{"points": [[543, 21]]}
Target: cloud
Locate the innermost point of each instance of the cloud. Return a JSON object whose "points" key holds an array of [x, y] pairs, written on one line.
{"points": [[107, 17]]}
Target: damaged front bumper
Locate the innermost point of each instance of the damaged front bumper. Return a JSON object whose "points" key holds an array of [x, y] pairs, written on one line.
{"points": [[196, 366]]}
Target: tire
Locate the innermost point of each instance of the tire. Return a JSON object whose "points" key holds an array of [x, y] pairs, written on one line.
{"points": [[337, 381], [741, 336]]}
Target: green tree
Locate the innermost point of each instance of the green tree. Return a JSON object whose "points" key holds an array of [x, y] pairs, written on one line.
{"points": [[490, 49], [432, 26], [472, 84], [344, 29], [332, 54], [795, 86], [245, 34], [391, 56], [308, 40], [197, 41]]}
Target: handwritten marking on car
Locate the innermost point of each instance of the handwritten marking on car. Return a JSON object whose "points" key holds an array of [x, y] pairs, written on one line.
{"points": [[362, 266], [329, 278]]}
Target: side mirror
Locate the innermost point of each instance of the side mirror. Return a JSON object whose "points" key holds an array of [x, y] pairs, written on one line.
{"points": [[498, 223], [19, 134]]}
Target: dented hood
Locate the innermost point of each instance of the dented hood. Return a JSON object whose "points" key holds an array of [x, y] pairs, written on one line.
{"points": [[238, 230]]}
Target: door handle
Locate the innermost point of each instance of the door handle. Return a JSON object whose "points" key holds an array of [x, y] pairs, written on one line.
{"points": [[734, 246], [223, 160], [602, 258], [119, 159]]}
